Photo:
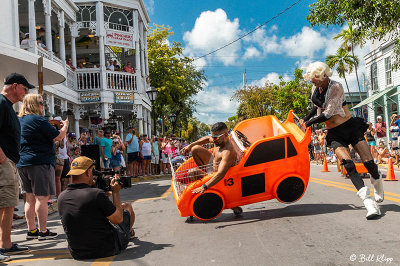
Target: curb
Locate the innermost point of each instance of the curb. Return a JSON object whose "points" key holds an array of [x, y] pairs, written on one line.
{"points": [[53, 208]]}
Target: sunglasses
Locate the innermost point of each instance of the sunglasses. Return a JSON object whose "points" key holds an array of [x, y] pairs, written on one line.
{"points": [[218, 137], [41, 103]]}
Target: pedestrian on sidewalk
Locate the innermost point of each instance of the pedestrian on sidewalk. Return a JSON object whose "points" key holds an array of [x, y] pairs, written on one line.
{"points": [[380, 127], [14, 90], [145, 152], [330, 107], [132, 145], [36, 166], [370, 134], [155, 158]]}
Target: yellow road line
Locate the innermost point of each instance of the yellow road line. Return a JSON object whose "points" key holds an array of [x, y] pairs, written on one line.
{"points": [[50, 251], [351, 189], [39, 259], [103, 261], [164, 195], [350, 185]]}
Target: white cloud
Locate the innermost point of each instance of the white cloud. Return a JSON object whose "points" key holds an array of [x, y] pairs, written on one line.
{"points": [[305, 43], [251, 52], [212, 30], [271, 78], [215, 104]]}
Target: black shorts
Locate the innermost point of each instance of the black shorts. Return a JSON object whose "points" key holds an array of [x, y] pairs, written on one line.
{"points": [[133, 156], [349, 133], [122, 233]]}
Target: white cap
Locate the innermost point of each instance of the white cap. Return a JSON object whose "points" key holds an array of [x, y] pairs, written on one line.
{"points": [[58, 118], [379, 117]]}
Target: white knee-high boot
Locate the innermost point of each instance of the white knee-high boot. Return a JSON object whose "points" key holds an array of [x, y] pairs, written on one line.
{"points": [[369, 203], [378, 185]]}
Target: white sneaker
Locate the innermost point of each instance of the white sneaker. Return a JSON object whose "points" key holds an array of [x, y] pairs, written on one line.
{"points": [[161, 173], [370, 204], [378, 188]]}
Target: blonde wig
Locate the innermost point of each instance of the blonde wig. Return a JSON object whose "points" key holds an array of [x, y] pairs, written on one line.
{"points": [[30, 105], [319, 70]]}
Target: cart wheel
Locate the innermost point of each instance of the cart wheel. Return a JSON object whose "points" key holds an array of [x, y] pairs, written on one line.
{"points": [[208, 206], [237, 211], [290, 189], [189, 219]]}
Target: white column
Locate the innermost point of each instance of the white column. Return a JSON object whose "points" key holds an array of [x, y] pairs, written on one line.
{"points": [[32, 26], [100, 32], [61, 24], [136, 37], [47, 21], [146, 55], [121, 130], [140, 126], [74, 33], [77, 118], [140, 118], [51, 105], [150, 123], [143, 70]]}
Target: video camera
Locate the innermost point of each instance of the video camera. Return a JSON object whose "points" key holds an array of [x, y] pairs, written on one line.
{"points": [[103, 179]]}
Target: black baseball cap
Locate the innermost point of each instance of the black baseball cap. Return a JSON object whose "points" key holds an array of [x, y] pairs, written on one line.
{"points": [[19, 79]]}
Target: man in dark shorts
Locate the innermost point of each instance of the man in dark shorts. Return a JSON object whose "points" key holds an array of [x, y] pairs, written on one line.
{"points": [[95, 226], [15, 88]]}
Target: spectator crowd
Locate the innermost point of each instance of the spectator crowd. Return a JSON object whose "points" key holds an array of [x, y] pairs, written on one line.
{"points": [[381, 147]]}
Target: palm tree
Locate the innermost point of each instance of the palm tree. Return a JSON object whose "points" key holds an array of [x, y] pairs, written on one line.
{"points": [[352, 37], [344, 62]]}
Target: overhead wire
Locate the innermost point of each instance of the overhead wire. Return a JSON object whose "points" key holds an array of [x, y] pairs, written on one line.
{"points": [[250, 32]]}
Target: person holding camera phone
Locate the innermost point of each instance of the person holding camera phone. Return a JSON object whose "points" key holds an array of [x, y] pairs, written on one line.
{"points": [[95, 226]]}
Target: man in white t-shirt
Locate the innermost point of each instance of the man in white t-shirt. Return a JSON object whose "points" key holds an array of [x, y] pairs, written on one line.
{"points": [[132, 144]]}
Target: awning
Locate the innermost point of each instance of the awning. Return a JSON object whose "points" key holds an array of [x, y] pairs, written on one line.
{"points": [[374, 97], [397, 93], [13, 59]]}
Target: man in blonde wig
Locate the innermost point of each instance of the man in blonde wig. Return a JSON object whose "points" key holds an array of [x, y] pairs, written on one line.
{"points": [[343, 130]]}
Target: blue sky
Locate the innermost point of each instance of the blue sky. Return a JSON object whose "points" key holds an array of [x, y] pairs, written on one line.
{"points": [[275, 49]]}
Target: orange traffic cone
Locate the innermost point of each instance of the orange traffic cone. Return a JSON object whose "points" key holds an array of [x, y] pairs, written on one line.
{"points": [[325, 166], [338, 166], [390, 172]]}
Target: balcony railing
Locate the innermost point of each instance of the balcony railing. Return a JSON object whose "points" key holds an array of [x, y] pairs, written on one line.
{"points": [[48, 55], [42, 52], [88, 79], [121, 81], [70, 82]]}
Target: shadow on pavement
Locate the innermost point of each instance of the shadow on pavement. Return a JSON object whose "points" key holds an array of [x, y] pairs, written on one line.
{"points": [[143, 191], [140, 249], [289, 211]]}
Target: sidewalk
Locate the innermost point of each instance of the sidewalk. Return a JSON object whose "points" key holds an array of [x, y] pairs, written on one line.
{"points": [[53, 207]]}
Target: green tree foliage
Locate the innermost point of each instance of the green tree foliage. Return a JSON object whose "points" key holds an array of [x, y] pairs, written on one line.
{"points": [[173, 75], [272, 99], [351, 38], [374, 19], [344, 62]]}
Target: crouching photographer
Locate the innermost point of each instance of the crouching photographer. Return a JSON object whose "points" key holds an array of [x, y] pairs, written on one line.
{"points": [[95, 226]]}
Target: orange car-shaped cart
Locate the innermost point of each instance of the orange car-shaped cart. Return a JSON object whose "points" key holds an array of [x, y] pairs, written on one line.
{"points": [[272, 162]]}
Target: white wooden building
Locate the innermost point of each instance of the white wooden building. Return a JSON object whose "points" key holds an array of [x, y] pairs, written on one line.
{"points": [[383, 83], [90, 33]]}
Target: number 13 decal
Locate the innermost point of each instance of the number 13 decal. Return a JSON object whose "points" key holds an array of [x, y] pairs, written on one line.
{"points": [[228, 182]]}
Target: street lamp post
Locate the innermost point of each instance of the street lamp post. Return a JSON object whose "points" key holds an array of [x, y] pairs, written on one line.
{"points": [[152, 93], [172, 118]]}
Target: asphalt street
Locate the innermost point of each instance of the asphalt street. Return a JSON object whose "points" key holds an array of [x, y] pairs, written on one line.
{"points": [[327, 226]]}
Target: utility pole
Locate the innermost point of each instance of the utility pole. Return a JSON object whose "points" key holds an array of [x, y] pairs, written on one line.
{"points": [[244, 79]]}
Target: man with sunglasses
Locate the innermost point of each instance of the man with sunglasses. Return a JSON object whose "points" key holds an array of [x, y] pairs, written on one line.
{"points": [[15, 88], [219, 161], [95, 226]]}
